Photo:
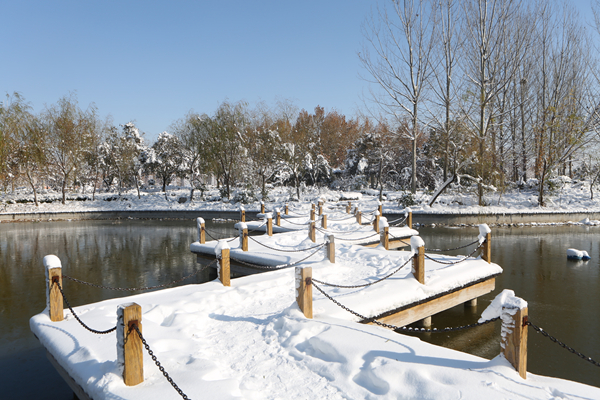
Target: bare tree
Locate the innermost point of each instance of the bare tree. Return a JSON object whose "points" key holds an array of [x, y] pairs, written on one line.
{"points": [[397, 58]]}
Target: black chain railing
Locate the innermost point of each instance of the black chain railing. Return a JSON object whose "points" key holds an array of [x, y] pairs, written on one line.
{"points": [[449, 264], [296, 223], [342, 219], [455, 248], [285, 250], [357, 239], [77, 317], [135, 289], [397, 222], [216, 233], [364, 284], [402, 328], [561, 344], [338, 232], [318, 248], [160, 367]]}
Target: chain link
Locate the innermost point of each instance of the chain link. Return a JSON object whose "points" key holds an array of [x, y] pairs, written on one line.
{"points": [[77, 318], [284, 250], [561, 344], [453, 263], [278, 266], [160, 367], [357, 239], [365, 284], [456, 248], [140, 288], [403, 328], [396, 223]]}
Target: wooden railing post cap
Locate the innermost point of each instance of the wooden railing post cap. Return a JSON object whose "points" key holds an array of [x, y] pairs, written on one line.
{"points": [[330, 238], [383, 224], [484, 229], [377, 213], [241, 226], [222, 245], [415, 243], [200, 220], [407, 211], [51, 261], [269, 215]]}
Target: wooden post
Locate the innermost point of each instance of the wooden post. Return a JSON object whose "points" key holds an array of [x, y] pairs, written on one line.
{"points": [[380, 208], [385, 236], [409, 220], [376, 221], [277, 217], [418, 247], [201, 230], [324, 221], [330, 248], [312, 213], [311, 231], [287, 210], [269, 224], [54, 299], [514, 338], [486, 250], [244, 235], [320, 207], [129, 345], [304, 290], [224, 270], [262, 207], [349, 207], [358, 217], [242, 214]]}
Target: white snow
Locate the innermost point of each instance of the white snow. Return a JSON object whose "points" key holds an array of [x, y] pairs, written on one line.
{"points": [[250, 341], [575, 254], [483, 231], [506, 299]]}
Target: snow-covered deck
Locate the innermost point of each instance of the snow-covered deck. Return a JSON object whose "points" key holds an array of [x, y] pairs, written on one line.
{"points": [[251, 341]]}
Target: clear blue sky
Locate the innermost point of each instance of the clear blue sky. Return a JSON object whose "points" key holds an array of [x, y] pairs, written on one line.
{"points": [[152, 61]]}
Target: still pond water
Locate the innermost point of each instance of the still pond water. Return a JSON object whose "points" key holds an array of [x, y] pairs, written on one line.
{"points": [[563, 296]]}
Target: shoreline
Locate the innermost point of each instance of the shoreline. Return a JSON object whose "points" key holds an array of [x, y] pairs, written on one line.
{"points": [[420, 217]]}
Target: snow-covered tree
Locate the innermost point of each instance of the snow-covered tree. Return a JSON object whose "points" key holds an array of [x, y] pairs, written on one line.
{"points": [[164, 159]]}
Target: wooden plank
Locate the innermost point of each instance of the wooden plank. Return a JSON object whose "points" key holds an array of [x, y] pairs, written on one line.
{"points": [[417, 311], [78, 390]]}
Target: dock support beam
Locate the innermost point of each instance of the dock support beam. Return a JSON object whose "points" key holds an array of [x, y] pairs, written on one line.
{"points": [[202, 230], [330, 239], [129, 344], [514, 338], [304, 290], [54, 298]]}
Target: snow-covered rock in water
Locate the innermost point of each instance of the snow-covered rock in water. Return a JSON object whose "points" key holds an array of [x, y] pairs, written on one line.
{"points": [[574, 254]]}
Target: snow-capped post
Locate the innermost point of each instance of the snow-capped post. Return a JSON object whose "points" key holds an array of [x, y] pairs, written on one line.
{"points": [[311, 231], [376, 221], [287, 209], [485, 239], [324, 221], [243, 235], [349, 207], [330, 240], [242, 214], [418, 250], [312, 212], [408, 215], [269, 217], [130, 354], [385, 234], [54, 299], [358, 216], [262, 207], [320, 207], [222, 253], [277, 217], [380, 207], [201, 230], [304, 290], [514, 335]]}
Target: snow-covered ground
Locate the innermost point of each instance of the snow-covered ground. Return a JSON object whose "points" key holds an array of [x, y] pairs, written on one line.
{"points": [[251, 341], [567, 196]]}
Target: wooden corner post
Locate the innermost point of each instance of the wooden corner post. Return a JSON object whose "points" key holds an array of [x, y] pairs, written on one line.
{"points": [[201, 230], [320, 207], [486, 250], [330, 239], [304, 290], [262, 207], [129, 345], [244, 236], [54, 299], [278, 217], [312, 213], [514, 338], [287, 209]]}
